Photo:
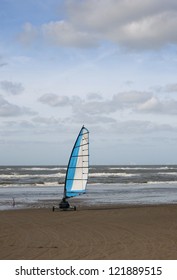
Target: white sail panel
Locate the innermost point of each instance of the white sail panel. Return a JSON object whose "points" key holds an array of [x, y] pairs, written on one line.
{"points": [[77, 171]]}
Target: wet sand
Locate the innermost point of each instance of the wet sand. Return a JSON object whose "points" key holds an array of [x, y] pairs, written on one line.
{"points": [[141, 232]]}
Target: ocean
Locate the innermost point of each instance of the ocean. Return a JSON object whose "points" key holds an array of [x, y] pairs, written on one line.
{"points": [[42, 186]]}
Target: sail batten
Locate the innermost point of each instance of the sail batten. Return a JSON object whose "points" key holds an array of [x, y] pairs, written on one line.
{"points": [[80, 156], [77, 170]]}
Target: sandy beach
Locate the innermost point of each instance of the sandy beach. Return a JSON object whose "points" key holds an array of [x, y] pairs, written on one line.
{"points": [[141, 232]]}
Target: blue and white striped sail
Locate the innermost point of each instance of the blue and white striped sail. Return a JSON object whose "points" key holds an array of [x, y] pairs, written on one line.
{"points": [[77, 171]]}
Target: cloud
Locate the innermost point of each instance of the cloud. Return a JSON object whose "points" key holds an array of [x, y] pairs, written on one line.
{"points": [[106, 14], [139, 102], [140, 127], [28, 35], [54, 100], [170, 88], [8, 109], [81, 116], [154, 105], [2, 64], [148, 24], [94, 96], [145, 102], [11, 88], [147, 32], [64, 34], [45, 121], [131, 98], [128, 83], [134, 24]]}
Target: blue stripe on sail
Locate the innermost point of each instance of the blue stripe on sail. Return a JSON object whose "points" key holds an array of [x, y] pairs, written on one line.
{"points": [[72, 169]]}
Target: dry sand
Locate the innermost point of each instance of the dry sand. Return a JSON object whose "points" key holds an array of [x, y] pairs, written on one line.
{"points": [[148, 232]]}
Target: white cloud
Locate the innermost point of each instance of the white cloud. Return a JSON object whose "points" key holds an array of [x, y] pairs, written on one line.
{"points": [[28, 35], [149, 105], [65, 34]]}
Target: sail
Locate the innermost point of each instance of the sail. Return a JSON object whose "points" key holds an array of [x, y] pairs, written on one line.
{"points": [[77, 171]]}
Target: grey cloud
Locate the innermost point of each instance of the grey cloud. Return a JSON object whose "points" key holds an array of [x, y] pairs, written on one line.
{"points": [[147, 33], [11, 88], [54, 100], [144, 102], [170, 88], [12, 128], [94, 96], [103, 15], [135, 101], [137, 24], [91, 118], [129, 98], [95, 107], [79, 106], [154, 105], [11, 110], [129, 83], [134, 24], [121, 101], [45, 121], [138, 127], [2, 64]]}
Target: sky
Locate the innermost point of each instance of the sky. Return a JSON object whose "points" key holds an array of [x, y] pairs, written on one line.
{"points": [[110, 65]]}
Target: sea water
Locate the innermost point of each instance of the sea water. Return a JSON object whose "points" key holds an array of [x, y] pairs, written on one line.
{"points": [[42, 186]]}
